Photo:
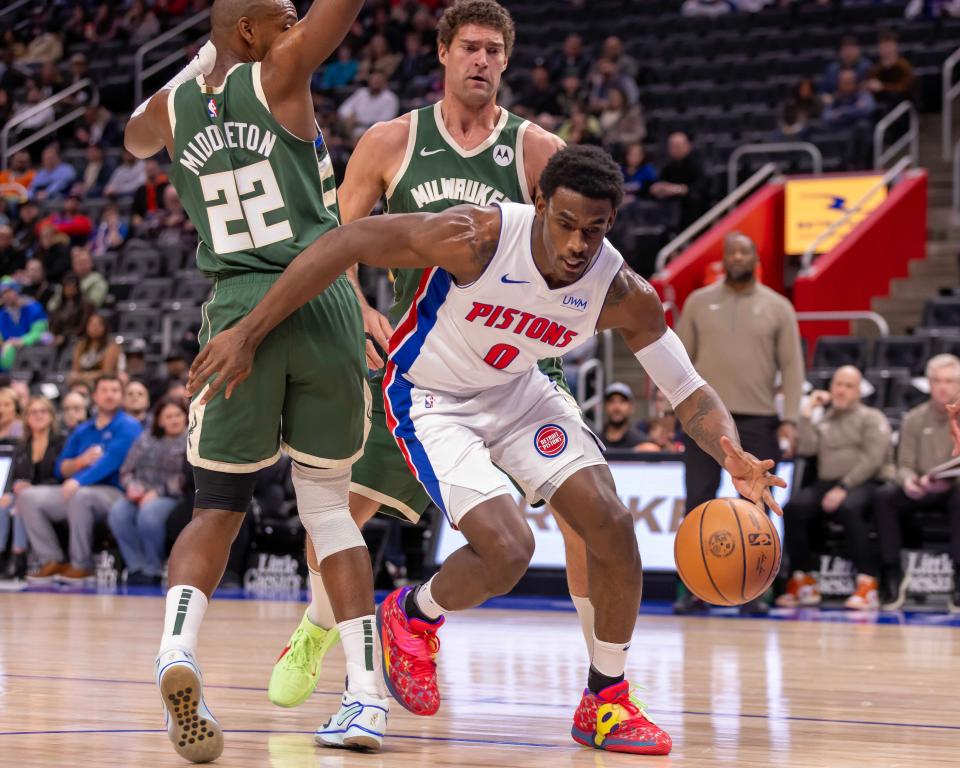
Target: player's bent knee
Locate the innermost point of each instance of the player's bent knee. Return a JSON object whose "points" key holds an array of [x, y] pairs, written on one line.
{"points": [[227, 491], [322, 506]]}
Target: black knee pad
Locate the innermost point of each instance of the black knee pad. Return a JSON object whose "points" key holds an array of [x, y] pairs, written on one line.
{"points": [[223, 490]]}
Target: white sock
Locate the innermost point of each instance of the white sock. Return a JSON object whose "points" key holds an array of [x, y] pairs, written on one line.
{"points": [[361, 645], [320, 612], [181, 625], [609, 659], [425, 602], [585, 613]]}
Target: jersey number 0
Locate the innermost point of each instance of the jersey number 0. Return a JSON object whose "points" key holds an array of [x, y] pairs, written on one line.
{"points": [[225, 189]]}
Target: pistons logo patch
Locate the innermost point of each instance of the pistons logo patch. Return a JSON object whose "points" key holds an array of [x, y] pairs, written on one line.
{"points": [[550, 441]]}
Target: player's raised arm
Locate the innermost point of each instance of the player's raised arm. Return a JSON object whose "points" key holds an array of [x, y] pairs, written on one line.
{"points": [[633, 308]]}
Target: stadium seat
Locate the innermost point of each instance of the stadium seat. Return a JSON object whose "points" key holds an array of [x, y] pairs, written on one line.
{"points": [[946, 344], [141, 323], [834, 351], [902, 352], [193, 291], [35, 360], [151, 290], [904, 396], [942, 312], [882, 379]]}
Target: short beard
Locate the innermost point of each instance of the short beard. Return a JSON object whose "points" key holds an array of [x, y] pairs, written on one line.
{"points": [[617, 424], [746, 277]]}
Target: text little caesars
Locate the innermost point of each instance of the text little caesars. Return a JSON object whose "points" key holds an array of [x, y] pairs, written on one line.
{"points": [[233, 136], [465, 190]]}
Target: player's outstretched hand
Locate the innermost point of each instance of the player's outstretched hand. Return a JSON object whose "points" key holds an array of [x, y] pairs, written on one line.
{"points": [[378, 329], [751, 476], [954, 410], [224, 362]]}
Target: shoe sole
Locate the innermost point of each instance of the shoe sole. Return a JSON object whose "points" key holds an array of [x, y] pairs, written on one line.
{"points": [[585, 739], [197, 739], [359, 741], [386, 672]]}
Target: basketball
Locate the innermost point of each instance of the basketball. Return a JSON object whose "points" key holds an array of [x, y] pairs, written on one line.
{"points": [[727, 552]]}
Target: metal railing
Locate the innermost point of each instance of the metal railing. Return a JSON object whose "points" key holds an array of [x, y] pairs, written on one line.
{"points": [[956, 177], [13, 6], [592, 372], [951, 90], [6, 150], [910, 139], [878, 320], [140, 74], [808, 255], [773, 148], [707, 220]]}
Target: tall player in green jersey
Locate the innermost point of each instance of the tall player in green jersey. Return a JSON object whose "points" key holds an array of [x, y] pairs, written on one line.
{"points": [[251, 170], [465, 148]]}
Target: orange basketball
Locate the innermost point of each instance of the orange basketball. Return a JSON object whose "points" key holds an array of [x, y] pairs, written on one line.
{"points": [[727, 552]]}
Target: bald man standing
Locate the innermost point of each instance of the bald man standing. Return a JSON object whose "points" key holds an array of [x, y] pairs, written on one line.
{"points": [[851, 442]]}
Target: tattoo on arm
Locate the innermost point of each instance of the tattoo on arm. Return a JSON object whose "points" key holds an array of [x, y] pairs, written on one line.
{"points": [[706, 419], [619, 288], [482, 252]]}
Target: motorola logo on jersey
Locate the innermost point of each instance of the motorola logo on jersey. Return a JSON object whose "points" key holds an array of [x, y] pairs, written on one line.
{"points": [[517, 321], [503, 155], [550, 441]]}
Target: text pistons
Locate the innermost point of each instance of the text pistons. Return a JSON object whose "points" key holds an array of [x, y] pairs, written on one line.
{"points": [[520, 322]]}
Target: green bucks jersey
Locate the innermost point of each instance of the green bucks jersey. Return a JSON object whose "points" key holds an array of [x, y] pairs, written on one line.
{"points": [[257, 194], [437, 173]]}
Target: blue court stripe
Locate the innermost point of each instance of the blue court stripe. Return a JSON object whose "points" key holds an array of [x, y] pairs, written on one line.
{"points": [[427, 309]]}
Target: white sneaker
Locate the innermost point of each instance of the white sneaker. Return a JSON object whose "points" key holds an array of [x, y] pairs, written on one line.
{"points": [[192, 729], [360, 724]]}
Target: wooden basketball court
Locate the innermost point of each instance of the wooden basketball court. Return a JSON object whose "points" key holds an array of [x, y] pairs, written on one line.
{"points": [[76, 690]]}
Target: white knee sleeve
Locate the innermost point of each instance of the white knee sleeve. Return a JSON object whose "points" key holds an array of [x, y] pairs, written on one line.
{"points": [[324, 511]]}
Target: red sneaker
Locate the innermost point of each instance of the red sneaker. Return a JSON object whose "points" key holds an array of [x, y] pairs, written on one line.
{"points": [[615, 720], [409, 649]]}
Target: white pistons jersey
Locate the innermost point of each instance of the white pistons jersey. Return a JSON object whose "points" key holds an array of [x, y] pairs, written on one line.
{"points": [[466, 339]]}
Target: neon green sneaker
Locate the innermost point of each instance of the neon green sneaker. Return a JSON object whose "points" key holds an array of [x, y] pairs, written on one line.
{"points": [[297, 671]]}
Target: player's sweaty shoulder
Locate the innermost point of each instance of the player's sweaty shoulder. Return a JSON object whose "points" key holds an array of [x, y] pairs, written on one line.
{"points": [[384, 144], [539, 145]]}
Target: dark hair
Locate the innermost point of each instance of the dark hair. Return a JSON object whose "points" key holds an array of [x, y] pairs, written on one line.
{"points": [[483, 13], [887, 35], [155, 429], [586, 170], [106, 377]]}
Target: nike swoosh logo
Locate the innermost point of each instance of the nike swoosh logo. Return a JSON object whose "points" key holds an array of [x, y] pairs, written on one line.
{"points": [[506, 279], [425, 153], [348, 714]]}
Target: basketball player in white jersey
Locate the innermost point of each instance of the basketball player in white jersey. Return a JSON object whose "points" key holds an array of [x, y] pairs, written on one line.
{"points": [[505, 286]]}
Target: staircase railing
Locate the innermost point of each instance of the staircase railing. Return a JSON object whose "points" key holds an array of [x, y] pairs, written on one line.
{"points": [[140, 73], [6, 151], [910, 139], [773, 148], [951, 90], [877, 319], [956, 177]]}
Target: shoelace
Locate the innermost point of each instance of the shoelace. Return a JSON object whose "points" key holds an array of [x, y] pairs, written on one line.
{"points": [[637, 709], [298, 653], [421, 665]]}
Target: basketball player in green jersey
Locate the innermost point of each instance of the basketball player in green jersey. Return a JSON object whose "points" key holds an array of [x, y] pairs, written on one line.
{"points": [[251, 171], [465, 148]]}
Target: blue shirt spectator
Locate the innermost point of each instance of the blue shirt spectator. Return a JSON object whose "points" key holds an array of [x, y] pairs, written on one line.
{"points": [[849, 105], [114, 439], [23, 322], [339, 73], [54, 177], [849, 57], [638, 172]]}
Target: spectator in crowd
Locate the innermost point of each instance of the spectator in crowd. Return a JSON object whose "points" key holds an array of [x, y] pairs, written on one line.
{"points": [[97, 126], [540, 96], [45, 45], [71, 221], [136, 402], [79, 69], [663, 428], [891, 79], [75, 410], [149, 197], [571, 93], [850, 105], [111, 232], [848, 57], [25, 228], [172, 226], [153, 479], [378, 58], [705, 9], [96, 173], [93, 286], [580, 128], [135, 363], [925, 443], [338, 73], [639, 174], [682, 184], [90, 468], [851, 443], [140, 23], [606, 77], [626, 65], [12, 256], [416, 64], [127, 177], [740, 335], [96, 353], [22, 322], [50, 80], [620, 122], [11, 427], [573, 59], [54, 177], [34, 460], [618, 429], [74, 26], [20, 172], [104, 25], [373, 103], [38, 119], [175, 369], [12, 73], [53, 249], [35, 283], [69, 311], [801, 110]]}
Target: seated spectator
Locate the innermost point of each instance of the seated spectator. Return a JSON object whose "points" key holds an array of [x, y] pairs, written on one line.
{"points": [[96, 354], [33, 464], [571, 93], [69, 311], [12, 73], [848, 57], [572, 60], [580, 128], [135, 362], [849, 106], [25, 228], [97, 126], [71, 221], [153, 479], [11, 426], [89, 466], [96, 173], [110, 234], [618, 430], [802, 109], [705, 9], [174, 375], [682, 184], [925, 443], [104, 25], [663, 427], [171, 225], [50, 80], [149, 197], [891, 79], [45, 45], [35, 284], [540, 96], [338, 73], [851, 443], [12, 256], [136, 402], [373, 103], [639, 174], [75, 410], [127, 177], [139, 24], [22, 322], [415, 66], [79, 70], [661, 437], [20, 172], [605, 78], [53, 250], [54, 177], [620, 122], [93, 286], [41, 118], [378, 58]]}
